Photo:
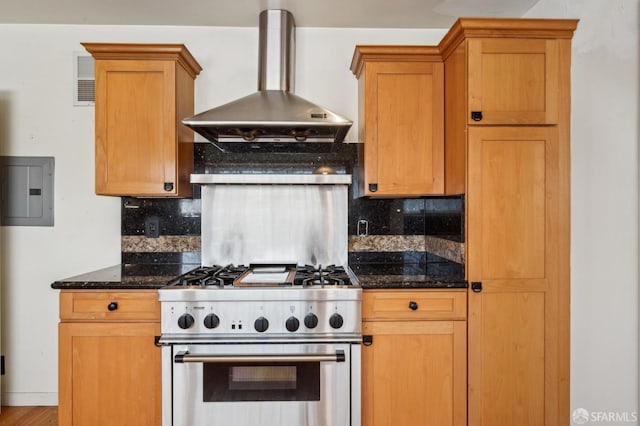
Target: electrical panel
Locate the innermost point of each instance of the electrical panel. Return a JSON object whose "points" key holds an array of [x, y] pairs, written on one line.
{"points": [[26, 191]]}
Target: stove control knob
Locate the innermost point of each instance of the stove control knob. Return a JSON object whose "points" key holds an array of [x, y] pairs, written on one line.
{"points": [[261, 324], [292, 323], [185, 321], [311, 321], [336, 321], [211, 321]]}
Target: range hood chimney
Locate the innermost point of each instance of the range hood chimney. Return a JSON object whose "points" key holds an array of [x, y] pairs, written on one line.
{"points": [[273, 118]]}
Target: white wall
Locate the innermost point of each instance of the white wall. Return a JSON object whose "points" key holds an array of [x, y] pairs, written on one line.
{"points": [[37, 118], [604, 243], [35, 94]]}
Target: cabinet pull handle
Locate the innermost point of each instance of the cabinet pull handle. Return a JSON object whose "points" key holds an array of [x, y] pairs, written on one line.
{"points": [[476, 286], [373, 187], [413, 305], [367, 340], [476, 115], [168, 186], [112, 306]]}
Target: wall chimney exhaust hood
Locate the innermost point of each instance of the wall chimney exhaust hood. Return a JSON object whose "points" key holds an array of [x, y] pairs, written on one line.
{"points": [[273, 118]]}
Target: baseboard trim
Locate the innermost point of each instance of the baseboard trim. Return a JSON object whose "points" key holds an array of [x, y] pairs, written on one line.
{"points": [[29, 398]]}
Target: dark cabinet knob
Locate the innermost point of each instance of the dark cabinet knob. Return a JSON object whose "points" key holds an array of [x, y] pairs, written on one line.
{"points": [[261, 325], [311, 321], [476, 115], [211, 321], [112, 306], [413, 305], [373, 187], [168, 186], [292, 324], [185, 321]]}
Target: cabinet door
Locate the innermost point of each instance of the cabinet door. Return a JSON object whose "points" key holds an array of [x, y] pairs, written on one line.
{"points": [[404, 136], [413, 374], [109, 374], [513, 81], [514, 239], [135, 127]]}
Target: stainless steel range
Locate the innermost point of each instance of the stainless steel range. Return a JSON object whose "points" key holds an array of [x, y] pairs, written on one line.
{"points": [[274, 342]]}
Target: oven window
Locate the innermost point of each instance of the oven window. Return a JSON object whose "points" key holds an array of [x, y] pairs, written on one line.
{"points": [[261, 382]]}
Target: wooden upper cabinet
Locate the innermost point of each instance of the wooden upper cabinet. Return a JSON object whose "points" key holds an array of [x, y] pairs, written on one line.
{"points": [[512, 68], [401, 120], [512, 81], [142, 94]]}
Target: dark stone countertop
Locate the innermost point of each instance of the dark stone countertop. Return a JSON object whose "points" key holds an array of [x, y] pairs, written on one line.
{"points": [[407, 282], [371, 276], [410, 276], [126, 277]]}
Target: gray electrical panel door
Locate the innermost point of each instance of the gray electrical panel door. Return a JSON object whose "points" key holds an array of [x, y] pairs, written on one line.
{"points": [[27, 191]]}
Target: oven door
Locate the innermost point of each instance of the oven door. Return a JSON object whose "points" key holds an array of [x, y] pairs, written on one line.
{"points": [[307, 384]]}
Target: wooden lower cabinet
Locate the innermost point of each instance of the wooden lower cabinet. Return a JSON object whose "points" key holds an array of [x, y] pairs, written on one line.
{"points": [[414, 370], [109, 369]]}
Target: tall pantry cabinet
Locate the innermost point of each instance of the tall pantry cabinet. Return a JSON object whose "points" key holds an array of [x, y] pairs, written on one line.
{"points": [[507, 123]]}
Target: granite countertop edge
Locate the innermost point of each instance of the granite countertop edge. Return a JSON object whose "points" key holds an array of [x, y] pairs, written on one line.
{"points": [[151, 277], [407, 282], [117, 277]]}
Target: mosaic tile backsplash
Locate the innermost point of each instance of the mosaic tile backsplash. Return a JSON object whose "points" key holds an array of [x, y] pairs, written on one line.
{"points": [[413, 234]]}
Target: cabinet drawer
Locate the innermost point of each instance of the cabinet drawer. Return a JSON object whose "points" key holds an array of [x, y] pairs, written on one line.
{"points": [[95, 305], [414, 305]]}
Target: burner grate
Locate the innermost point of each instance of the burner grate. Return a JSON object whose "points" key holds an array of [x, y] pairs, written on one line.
{"points": [[221, 276]]}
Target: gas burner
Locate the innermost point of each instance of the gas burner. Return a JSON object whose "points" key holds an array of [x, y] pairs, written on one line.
{"points": [[214, 275], [220, 276], [329, 275]]}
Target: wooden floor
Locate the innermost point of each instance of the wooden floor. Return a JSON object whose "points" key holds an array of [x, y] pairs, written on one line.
{"points": [[28, 416]]}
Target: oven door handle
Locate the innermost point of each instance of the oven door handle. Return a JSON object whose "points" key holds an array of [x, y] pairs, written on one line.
{"points": [[185, 356]]}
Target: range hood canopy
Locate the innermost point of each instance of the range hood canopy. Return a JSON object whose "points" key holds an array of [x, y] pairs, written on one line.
{"points": [[273, 113]]}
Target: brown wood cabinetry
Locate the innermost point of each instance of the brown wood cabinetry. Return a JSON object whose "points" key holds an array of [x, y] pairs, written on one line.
{"points": [[400, 120], [517, 324], [143, 91], [109, 366], [414, 370], [513, 81], [513, 165]]}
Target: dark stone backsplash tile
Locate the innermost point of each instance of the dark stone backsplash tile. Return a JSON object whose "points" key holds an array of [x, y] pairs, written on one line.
{"points": [[142, 258], [389, 264], [176, 216], [209, 159], [371, 257], [439, 216], [445, 217], [398, 229], [387, 216]]}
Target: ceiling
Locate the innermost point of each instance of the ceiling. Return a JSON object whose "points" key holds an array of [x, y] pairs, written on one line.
{"points": [[244, 13]]}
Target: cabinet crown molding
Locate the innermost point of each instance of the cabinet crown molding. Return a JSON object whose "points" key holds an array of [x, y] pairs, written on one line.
{"points": [[462, 29], [465, 28], [136, 51], [394, 53]]}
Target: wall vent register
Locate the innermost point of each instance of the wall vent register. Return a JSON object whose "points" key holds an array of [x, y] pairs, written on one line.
{"points": [[84, 81]]}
